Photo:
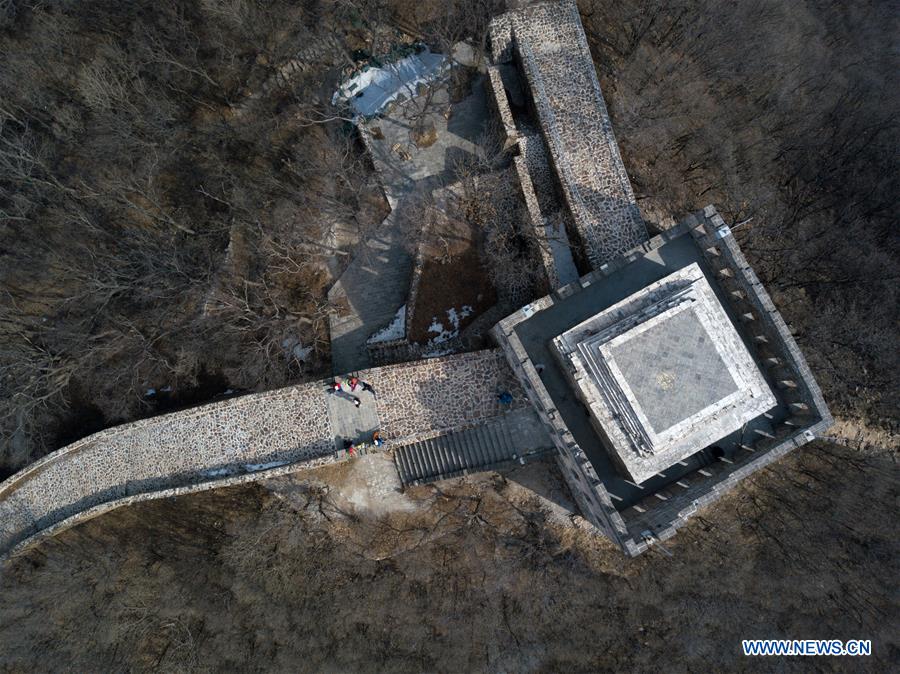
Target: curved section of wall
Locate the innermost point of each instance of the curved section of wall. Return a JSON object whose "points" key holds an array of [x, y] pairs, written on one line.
{"points": [[242, 439], [195, 449], [102, 508]]}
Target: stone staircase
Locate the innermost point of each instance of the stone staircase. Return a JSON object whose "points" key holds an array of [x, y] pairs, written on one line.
{"points": [[482, 447]]}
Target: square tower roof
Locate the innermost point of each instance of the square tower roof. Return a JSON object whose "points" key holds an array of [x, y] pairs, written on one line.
{"points": [[663, 373]]}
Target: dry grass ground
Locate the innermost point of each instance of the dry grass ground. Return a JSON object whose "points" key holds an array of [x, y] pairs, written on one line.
{"points": [[479, 575]]}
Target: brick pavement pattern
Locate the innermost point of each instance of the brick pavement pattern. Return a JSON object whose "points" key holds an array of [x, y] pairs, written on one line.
{"points": [[442, 394]]}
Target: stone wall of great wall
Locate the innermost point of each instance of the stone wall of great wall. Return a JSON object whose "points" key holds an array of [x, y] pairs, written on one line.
{"points": [[664, 513], [552, 50], [593, 500], [278, 432], [785, 366], [246, 438]]}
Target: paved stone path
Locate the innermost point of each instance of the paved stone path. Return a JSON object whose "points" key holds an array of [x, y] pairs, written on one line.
{"points": [[349, 422], [234, 436], [557, 63], [206, 446]]}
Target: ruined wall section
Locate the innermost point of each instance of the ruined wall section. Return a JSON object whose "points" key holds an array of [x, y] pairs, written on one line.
{"points": [[500, 104], [556, 60]]}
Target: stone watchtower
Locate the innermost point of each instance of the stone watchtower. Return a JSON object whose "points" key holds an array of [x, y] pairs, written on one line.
{"points": [[665, 375]]}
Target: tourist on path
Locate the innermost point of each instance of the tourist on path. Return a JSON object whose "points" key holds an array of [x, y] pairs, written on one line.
{"points": [[354, 382], [366, 386]]}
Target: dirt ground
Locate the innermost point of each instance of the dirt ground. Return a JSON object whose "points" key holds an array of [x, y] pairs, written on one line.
{"points": [[460, 282], [334, 571]]}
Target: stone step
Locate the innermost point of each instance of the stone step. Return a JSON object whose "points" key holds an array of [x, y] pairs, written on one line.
{"points": [[483, 446], [495, 446], [479, 449], [431, 464]]}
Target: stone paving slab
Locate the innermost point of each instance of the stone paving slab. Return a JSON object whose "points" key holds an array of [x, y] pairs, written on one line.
{"points": [[444, 393], [575, 123], [241, 434], [349, 422]]}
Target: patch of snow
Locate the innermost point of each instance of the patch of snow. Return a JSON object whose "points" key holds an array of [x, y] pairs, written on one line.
{"points": [[371, 89], [443, 334], [302, 352], [437, 352], [166, 389], [294, 347], [150, 392], [215, 472], [396, 329]]}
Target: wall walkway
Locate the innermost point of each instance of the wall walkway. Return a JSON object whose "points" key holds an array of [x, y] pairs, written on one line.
{"points": [[246, 438], [575, 124]]}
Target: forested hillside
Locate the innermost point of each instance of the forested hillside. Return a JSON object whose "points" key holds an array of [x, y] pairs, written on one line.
{"points": [[172, 178], [167, 191]]}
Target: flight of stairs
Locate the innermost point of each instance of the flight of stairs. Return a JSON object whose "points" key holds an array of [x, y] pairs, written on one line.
{"points": [[480, 448]]}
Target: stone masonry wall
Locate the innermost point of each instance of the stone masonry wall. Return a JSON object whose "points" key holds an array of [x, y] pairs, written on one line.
{"points": [[498, 97], [777, 349], [590, 494], [555, 57], [241, 439], [238, 435], [34, 536], [537, 220], [662, 514]]}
